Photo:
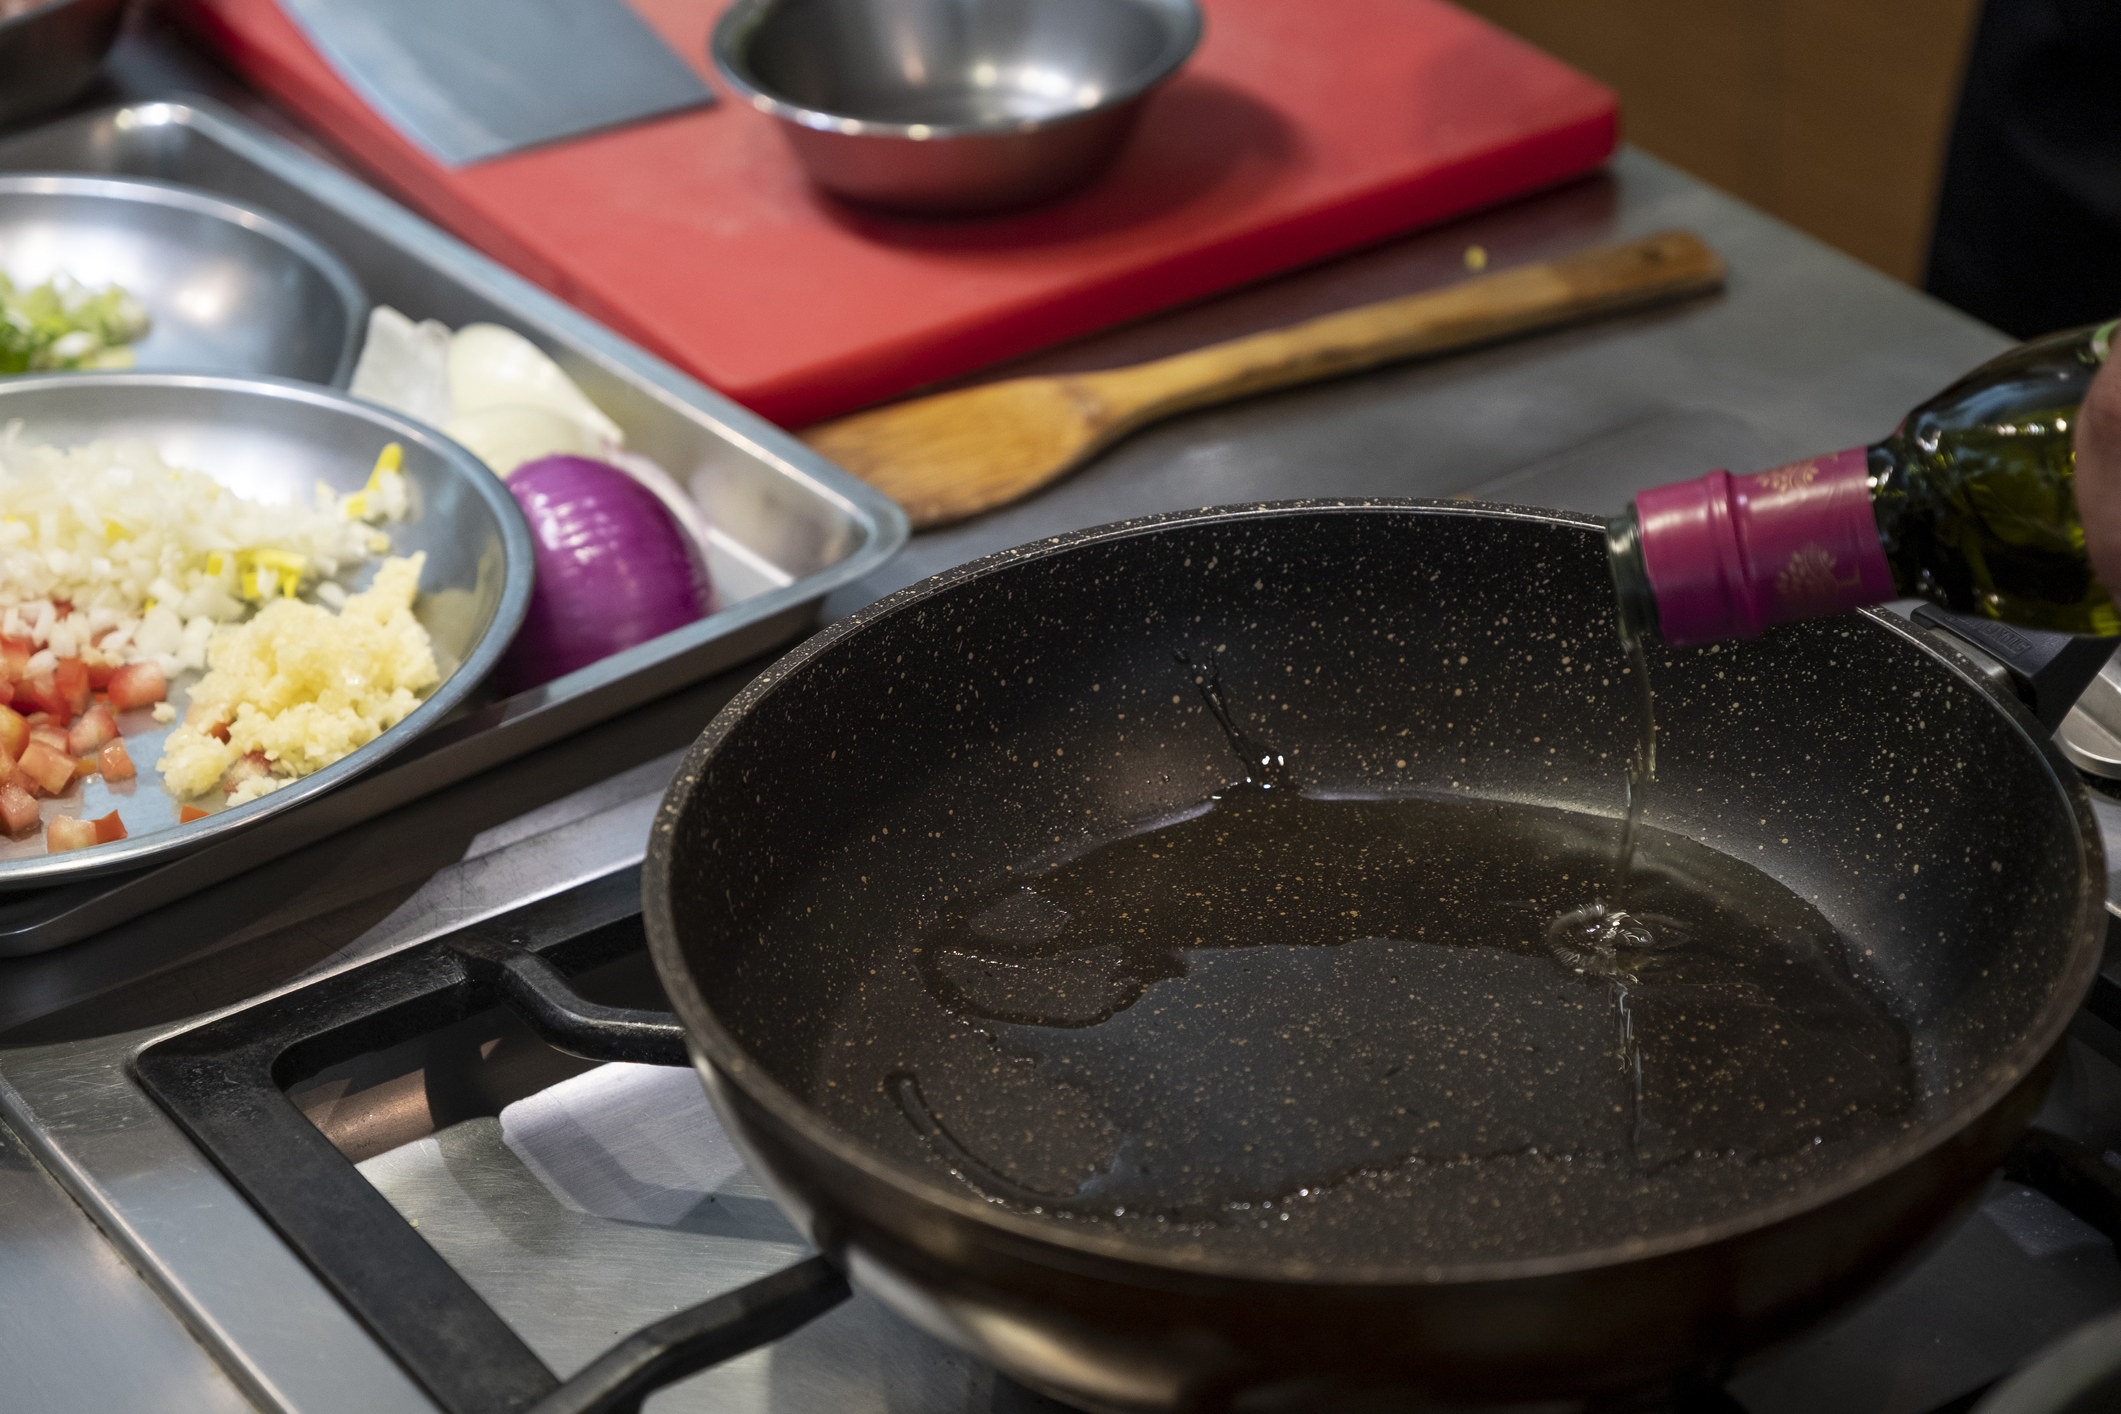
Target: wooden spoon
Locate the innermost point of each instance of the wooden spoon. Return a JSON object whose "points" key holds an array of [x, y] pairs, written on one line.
{"points": [[956, 454]]}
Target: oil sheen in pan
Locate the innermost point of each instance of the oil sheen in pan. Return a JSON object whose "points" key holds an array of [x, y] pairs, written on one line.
{"points": [[1292, 1023]]}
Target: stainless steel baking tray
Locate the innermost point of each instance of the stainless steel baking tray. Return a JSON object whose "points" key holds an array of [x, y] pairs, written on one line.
{"points": [[789, 527]]}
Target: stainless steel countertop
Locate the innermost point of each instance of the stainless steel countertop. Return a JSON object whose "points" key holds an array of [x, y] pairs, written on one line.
{"points": [[1807, 351], [70, 1300]]}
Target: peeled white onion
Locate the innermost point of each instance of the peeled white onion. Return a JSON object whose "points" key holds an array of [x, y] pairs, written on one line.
{"points": [[497, 393], [405, 366], [506, 437], [493, 367]]}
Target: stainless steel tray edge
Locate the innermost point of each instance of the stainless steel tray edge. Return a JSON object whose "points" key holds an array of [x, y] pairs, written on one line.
{"points": [[869, 528]]}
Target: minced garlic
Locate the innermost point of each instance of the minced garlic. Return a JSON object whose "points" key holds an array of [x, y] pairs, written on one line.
{"points": [[303, 686]]}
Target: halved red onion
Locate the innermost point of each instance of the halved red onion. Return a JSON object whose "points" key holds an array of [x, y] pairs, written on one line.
{"points": [[613, 568]]}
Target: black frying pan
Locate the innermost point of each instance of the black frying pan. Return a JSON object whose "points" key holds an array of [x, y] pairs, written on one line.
{"points": [[981, 727]]}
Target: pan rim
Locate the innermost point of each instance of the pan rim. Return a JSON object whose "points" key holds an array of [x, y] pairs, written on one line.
{"points": [[713, 1044]]}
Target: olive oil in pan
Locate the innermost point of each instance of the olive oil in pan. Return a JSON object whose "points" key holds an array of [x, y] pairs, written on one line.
{"points": [[1372, 1017]]}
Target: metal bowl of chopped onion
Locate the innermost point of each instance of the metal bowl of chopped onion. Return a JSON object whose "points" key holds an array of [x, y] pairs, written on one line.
{"points": [[275, 442]]}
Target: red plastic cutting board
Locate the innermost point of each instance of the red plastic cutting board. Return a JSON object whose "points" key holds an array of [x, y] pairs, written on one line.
{"points": [[1297, 130]]}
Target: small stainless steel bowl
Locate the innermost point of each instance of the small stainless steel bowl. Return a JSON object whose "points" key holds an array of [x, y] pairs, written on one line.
{"points": [[229, 290], [49, 53], [953, 107]]}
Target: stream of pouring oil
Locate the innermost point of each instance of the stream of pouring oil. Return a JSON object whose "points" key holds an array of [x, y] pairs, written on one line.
{"points": [[1391, 1019], [1602, 937]]}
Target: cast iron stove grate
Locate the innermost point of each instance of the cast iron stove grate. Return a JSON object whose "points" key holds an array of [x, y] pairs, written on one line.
{"points": [[226, 1084]]}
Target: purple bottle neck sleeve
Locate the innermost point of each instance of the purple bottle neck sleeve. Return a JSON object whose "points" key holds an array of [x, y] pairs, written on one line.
{"points": [[1728, 555]]}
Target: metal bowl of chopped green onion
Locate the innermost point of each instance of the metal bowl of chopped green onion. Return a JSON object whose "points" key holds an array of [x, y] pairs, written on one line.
{"points": [[109, 273]]}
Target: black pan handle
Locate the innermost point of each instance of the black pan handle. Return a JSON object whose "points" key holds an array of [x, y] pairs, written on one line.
{"points": [[2073, 1174], [676, 1346], [2048, 671], [540, 993]]}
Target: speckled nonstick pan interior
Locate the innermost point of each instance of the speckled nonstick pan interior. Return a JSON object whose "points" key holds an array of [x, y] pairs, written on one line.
{"points": [[987, 723]]}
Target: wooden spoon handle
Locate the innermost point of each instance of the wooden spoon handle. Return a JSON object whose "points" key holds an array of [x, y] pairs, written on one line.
{"points": [[1665, 266]]}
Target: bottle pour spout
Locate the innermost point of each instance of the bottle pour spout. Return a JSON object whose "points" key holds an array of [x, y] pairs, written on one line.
{"points": [[1725, 556]]}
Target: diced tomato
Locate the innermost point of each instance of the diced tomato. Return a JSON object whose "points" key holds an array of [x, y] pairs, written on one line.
{"points": [[99, 675], [14, 657], [18, 808], [71, 678], [7, 691], [95, 727], [53, 771], [115, 761], [50, 735], [22, 780], [187, 814], [250, 768], [109, 828], [40, 693], [137, 685], [14, 731], [84, 767], [66, 832]]}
